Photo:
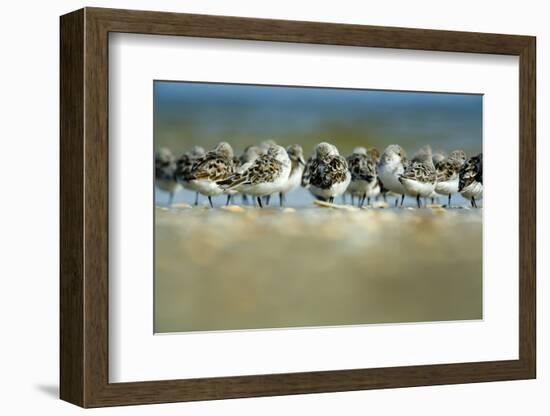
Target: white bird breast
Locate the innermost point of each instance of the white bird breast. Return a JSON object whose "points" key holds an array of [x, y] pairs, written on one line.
{"points": [[447, 187], [414, 188], [389, 175], [205, 187], [474, 190]]}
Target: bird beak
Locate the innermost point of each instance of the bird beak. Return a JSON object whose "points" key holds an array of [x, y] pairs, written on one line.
{"points": [[301, 161]]}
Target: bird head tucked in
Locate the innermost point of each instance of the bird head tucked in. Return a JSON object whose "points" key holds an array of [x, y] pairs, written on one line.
{"points": [[224, 149], [250, 154], [424, 155], [324, 150], [196, 152], [374, 154], [438, 156], [278, 153], [360, 150], [164, 156], [266, 144]]}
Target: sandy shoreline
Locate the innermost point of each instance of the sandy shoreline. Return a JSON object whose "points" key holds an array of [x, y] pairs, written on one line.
{"points": [[250, 268]]}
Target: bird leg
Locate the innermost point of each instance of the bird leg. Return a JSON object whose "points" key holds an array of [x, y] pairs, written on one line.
{"points": [[228, 200], [282, 200], [197, 198], [210, 200], [449, 202], [418, 201], [403, 198], [260, 202]]}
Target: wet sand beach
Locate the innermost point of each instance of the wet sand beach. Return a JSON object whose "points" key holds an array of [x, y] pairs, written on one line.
{"points": [[247, 268]]}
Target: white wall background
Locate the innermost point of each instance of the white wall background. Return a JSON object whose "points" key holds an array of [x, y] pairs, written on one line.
{"points": [[29, 85]]}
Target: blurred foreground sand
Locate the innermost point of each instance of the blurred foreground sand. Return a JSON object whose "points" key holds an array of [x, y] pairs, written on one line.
{"points": [[250, 268]]}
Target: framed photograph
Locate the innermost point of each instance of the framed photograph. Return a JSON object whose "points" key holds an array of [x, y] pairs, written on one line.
{"points": [[257, 207]]}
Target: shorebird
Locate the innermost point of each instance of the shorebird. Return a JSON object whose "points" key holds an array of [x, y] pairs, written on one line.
{"points": [[249, 155], [184, 165], [165, 169], [470, 182], [232, 193], [377, 189], [306, 174], [329, 173], [268, 174], [447, 171], [266, 144], [390, 167], [374, 153], [213, 167], [297, 163], [363, 175], [418, 178], [374, 191], [438, 157]]}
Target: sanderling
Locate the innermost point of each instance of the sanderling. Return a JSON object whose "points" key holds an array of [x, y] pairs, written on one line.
{"points": [[363, 175], [447, 174], [268, 174], [214, 166], [165, 169], [249, 155], [419, 176], [374, 191], [353, 186], [306, 174], [232, 192], [297, 163], [390, 167], [329, 175], [470, 183], [184, 165], [266, 144], [438, 157], [377, 189], [374, 153]]}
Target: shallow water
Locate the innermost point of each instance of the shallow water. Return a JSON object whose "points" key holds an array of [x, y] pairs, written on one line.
{"points": [[299, 198], [273, 268]]}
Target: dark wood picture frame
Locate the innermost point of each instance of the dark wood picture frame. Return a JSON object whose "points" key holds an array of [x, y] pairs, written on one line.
{"points": [[84, 207]]}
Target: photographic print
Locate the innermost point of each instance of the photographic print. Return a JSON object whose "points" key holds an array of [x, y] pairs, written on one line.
{"points": [[295, 206]]}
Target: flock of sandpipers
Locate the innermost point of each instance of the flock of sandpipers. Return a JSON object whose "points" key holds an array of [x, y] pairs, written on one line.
{"points": [[267, 169]]}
